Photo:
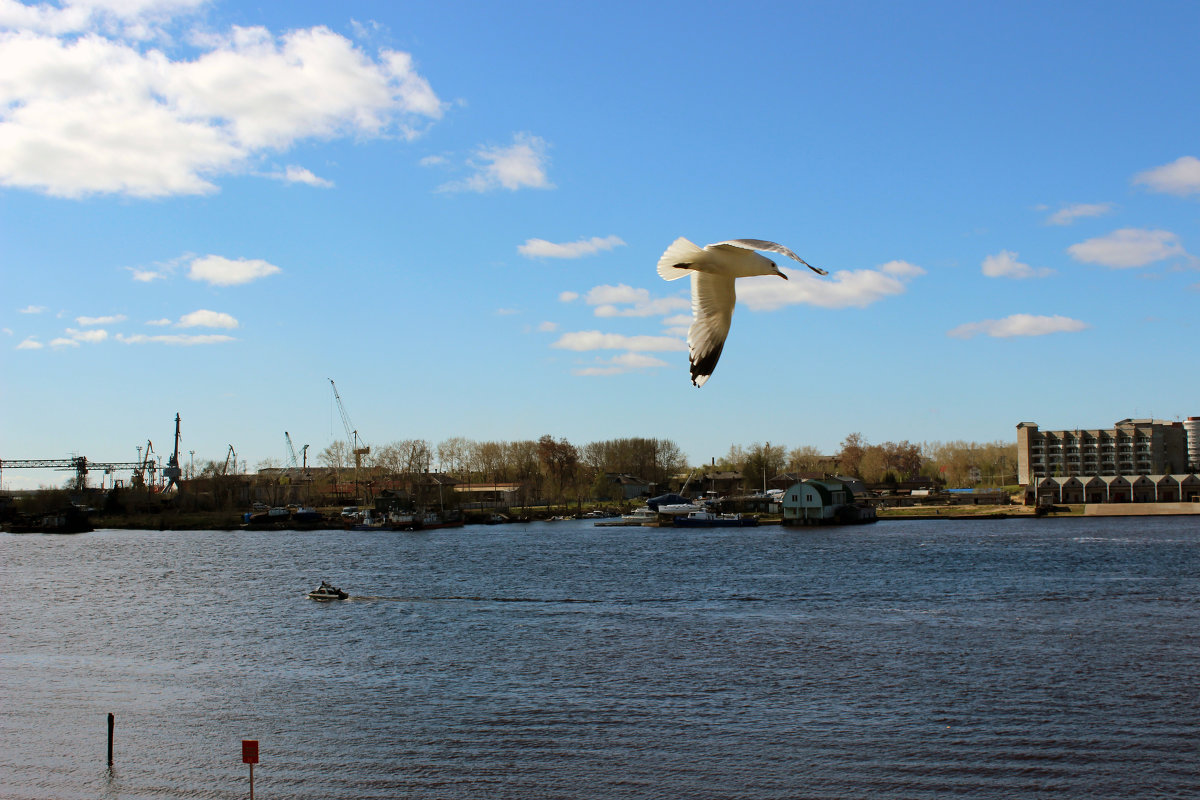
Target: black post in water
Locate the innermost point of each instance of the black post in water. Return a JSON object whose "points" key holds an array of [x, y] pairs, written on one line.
{"points": [[111, 723]]}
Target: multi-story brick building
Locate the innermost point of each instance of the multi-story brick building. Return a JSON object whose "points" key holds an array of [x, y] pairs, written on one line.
{"points": [[1130, 447]]}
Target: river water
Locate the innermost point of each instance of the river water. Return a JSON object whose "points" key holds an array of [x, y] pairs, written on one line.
{"points": [[907, 660]]}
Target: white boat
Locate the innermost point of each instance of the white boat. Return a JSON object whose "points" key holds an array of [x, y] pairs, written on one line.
{"points": [[707, 519], [642, 516], [327, 592]]}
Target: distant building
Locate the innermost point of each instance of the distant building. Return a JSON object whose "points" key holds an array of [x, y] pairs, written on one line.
{"points": [[628, 487], [1178, 488], [1192, 426], [827, 501], [720, 483], [1131, 447]]}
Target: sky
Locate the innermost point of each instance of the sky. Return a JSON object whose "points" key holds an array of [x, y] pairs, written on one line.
{"points": [[454, 210]]}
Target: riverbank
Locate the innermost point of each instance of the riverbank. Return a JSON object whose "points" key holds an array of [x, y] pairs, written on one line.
{"points": [[230, 521]]}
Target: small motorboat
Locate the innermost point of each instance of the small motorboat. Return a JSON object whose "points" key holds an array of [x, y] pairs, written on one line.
{"points": [[327, 592]]}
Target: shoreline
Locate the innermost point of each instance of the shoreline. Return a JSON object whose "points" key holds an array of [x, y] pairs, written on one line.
{"points": [[227, 521]]}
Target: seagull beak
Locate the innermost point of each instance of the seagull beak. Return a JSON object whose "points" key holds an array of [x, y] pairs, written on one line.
{"points": [[780, 274]]}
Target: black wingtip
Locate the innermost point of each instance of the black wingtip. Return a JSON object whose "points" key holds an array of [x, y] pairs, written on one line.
{"points": [[703, 368]]}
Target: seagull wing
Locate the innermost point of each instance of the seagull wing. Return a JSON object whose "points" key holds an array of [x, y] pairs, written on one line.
{"points": [[771, 247], [712, 311]]}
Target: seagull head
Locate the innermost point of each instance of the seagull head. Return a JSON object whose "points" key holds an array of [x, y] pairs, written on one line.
{"points": [[775, 268]]}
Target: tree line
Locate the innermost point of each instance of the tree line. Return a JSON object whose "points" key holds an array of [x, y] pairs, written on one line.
{"points": [[562, 469]]}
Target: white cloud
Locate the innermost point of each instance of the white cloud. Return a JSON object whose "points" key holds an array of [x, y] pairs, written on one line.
{"points": [[1068, 214], [204, 318], [617, 365], [507, 312], [433, 161], [133, 18], [520, 165], [31, 310], [568, 297], [87, 110], [1181, 177], [110, 320], [221, 271], [159, 322], [1128, 247], [30, 343], [176, 339], [146, 275], [92, 336], [677, 325], [548, 327], [581, 341], [641, 304], [540, 248], [1005, 265], [295, 174], [842, 289], [1018, 325], [62, 341]]}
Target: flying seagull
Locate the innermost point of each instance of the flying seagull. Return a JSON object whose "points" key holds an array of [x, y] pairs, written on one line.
{"points": [[713, 269]]}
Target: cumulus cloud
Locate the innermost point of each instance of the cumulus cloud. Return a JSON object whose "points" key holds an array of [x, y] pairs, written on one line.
{"points": [[520, 165], [176, 339], [617, 365], [295, 174], [1068, 214], [221, 271], [1128, 247], [159, 322], [1181, 177], [30, 343], [540, 248], [31, 310], [547, 327], [581, 341], [93, 336], [62, 342], [203, 318], [842, 289], [1018, 325], [609, 299], [146, 275], [110, 320], [135, 19], [86, 109], [568, 297], [677, 325], [1005, 265]]}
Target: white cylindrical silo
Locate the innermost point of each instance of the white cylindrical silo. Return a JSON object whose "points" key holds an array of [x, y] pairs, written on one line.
{"points": [[1192, 426]]}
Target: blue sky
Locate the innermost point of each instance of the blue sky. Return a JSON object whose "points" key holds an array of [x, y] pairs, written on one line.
{"points": [[455, 210]]}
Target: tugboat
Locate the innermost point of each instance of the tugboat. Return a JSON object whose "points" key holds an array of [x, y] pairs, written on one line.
{"points": [[327, 592]]}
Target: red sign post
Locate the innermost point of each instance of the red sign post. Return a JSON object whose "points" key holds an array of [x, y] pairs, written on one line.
{"points": [[250, 756]]}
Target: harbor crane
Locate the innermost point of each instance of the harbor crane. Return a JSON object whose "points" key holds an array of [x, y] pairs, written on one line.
{"points": [[291, 451], [172, 472], [232, 454], [358, 447]]}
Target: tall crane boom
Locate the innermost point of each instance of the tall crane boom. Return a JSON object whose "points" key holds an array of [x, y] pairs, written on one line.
{"points": [[291, 450], [173, 472], [357, 446], [352, 436]]}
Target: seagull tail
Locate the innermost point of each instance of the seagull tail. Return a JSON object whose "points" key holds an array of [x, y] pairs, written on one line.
{"points": [[680, 252]]}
